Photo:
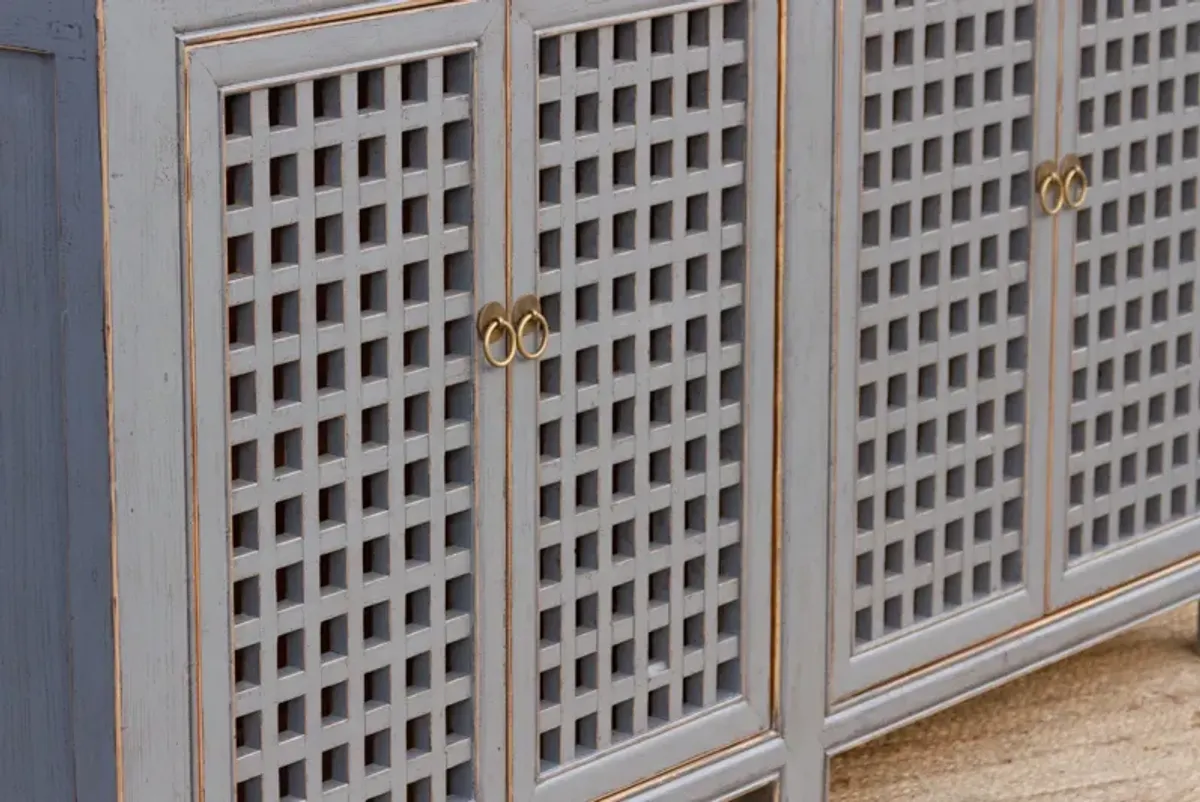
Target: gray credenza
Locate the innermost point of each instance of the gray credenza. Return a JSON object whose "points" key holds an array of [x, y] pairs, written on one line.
{"points": [[566, 400]]}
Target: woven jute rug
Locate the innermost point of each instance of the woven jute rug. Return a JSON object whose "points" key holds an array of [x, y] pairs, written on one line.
{"points": [[1119, 722]]}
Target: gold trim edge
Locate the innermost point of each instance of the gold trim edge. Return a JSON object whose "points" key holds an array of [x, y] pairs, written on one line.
{"points": [[296, 23], [776, 646], [110, 393], [696, 763], [198, 757]]}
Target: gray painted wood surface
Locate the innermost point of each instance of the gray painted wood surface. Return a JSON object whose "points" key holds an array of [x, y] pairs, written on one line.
{"points": [[34, 649], [57, 727], [162, 455]]}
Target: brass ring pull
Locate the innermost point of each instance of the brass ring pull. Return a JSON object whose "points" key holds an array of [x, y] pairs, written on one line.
{"points": [[528, 312], [536, 317], [490, 320], [1051, 187], [1075, 182], [1051, 192]]}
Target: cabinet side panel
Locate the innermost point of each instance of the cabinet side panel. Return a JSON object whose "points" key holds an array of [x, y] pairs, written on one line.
{"points": [[56, 651], [34, 655]]}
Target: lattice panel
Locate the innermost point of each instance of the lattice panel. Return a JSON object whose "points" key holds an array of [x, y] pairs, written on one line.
{"points": [[943, 299], [1135, 402], [642, 170], [350, 303]]}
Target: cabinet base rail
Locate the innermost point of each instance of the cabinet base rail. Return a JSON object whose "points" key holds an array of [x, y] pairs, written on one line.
{"points": [[899, 704]]}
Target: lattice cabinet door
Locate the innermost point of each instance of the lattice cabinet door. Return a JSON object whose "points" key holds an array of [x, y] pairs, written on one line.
{"points": [[350, 511], [1127, 473], [643, 223], [943, 291]]}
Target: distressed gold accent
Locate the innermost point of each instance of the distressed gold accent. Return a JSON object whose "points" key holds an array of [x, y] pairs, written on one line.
{"points": [[1051, 193], [109, 380], [360, 13], [1074, 175], [527, 311], [193, 432], [492, 320], [776, 657], [696, 763], [509, 703]]}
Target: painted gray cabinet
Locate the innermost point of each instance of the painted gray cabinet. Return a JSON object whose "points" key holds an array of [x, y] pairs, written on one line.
{"points": [[525, 400]]}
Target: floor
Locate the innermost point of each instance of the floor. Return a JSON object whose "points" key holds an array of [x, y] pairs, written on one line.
{"points": [[1117, 723]]}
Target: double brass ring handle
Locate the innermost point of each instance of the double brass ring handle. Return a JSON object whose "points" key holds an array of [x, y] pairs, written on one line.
{"points": [[1051, 190], [1075, 182], [493, 321], [528, 312]]}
